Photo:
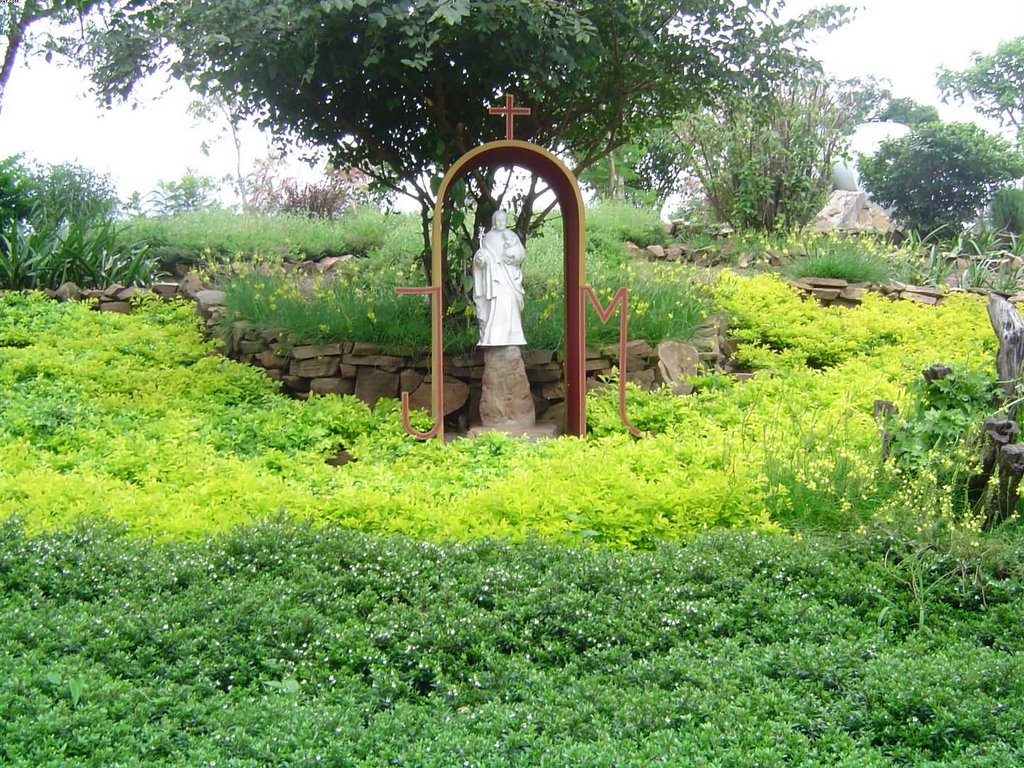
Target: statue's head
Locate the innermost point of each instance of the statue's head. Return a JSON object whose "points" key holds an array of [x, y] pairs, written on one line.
{"points": [[499, 220]]}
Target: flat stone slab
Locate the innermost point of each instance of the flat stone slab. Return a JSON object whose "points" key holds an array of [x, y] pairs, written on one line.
{"points": [[535, 432]]}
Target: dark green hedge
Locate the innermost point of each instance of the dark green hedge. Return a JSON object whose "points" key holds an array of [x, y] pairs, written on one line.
{"points": [[285, 645]]}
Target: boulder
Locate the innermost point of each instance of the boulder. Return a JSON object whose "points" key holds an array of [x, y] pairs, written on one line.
{"points": [[676, 361], [372, 384], [208, 299], [191, 284], [121, 307], [332, 385], [68, 292], [315, 368], [456, 395], [850, 211]]}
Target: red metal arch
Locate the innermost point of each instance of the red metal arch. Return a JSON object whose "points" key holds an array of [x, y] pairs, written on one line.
{"points": [[538, 160]]}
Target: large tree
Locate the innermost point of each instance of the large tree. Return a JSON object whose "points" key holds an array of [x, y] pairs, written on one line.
{"points": [[994, 83], [940, 175], [18, 18], [400, 88]]}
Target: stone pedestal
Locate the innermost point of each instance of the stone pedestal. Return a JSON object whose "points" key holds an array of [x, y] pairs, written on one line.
{"points": [[505, 402]]}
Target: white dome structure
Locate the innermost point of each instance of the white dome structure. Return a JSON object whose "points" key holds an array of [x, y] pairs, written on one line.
{"points": [[865, 141]]}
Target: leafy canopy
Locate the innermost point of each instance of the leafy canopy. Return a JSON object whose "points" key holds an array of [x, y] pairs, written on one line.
{"points": [[994, 82], [939, 175], [400, 89], [17, 17]]}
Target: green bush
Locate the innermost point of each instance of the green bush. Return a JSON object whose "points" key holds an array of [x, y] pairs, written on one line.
{"points": [[765, 161], [1008, 211], [286, 644], [67, 191], [939, 176], [610, 224], [70, 233], [15, 191]]}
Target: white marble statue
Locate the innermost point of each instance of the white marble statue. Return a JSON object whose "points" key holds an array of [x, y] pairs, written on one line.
{"points": [[498, 285]]}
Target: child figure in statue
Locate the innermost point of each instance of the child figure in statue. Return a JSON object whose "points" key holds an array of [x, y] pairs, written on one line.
{"points": [[498, 285]]}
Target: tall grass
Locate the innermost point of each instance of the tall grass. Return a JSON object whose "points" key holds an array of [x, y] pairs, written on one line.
{"points": [[856, 261], [359, 302], [220, 235]]}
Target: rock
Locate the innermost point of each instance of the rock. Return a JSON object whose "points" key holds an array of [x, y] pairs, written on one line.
{"points": [[340, 459], [247, 347], [191, 284], [308, 351], [315, 368], [332, 385], [456, 395], [208, 299], [852, 293], [826, 294], [67, 292], [165, 290], [540, 374], [554, 390], [674, 253], [537, 357], [555, 414], [656, 251], [850, 211], [295, 384], [922, 298], [644, 379], [825, 282], [925, 290], [409, 379], [377, 361], [363, 348], [112, 290], [372, 384], [505, 400], [270, 360], [121, 307], [639, 348], [675, 361]]}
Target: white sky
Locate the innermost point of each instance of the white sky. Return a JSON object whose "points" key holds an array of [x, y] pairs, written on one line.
{"points": [[49, 116]]}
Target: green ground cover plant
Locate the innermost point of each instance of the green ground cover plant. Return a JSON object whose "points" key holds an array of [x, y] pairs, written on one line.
{"points": [[183, 580], [94, 408], [287, 644]]}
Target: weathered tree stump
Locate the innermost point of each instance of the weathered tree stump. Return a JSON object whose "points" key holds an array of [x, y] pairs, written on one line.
{"points": [[1011, 469], [1009, 327], [885, 410], [998, 434]]}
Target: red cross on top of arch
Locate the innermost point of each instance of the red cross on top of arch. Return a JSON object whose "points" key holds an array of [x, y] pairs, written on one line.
{"points": [[511, 112]]}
